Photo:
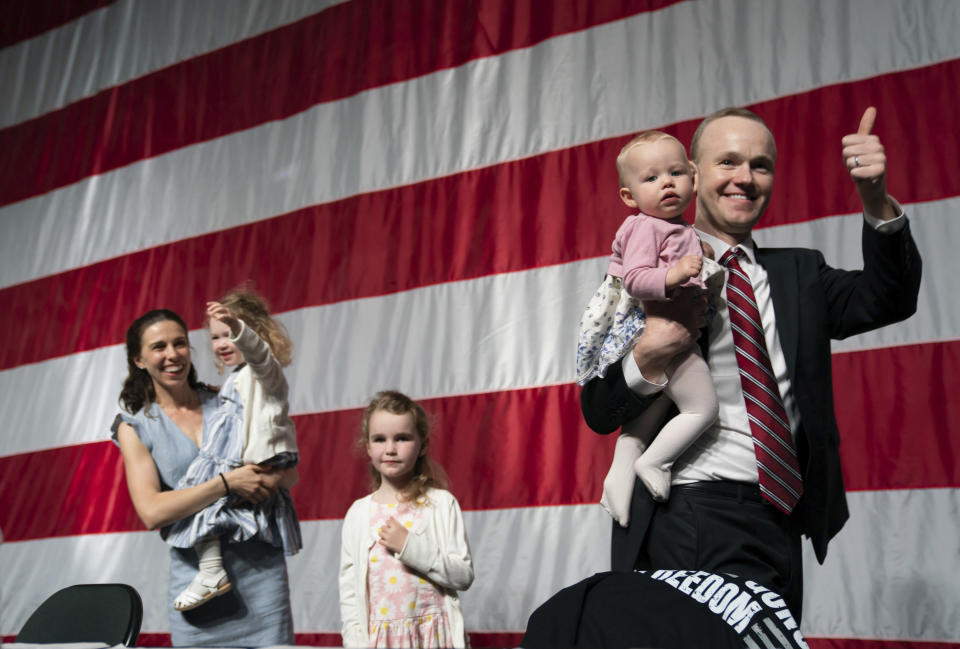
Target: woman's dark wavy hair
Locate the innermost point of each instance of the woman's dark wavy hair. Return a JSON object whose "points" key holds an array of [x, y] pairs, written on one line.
{"points": [[138, 392]]}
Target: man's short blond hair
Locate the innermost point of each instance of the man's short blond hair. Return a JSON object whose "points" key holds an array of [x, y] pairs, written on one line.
{"points": [[644, 138]]}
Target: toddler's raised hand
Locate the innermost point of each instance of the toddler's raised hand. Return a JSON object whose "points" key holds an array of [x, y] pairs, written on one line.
{"points": [[216, 311]]}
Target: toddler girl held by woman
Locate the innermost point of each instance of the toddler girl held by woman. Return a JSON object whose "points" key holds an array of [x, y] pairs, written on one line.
{"points": [[251, 426], [655, 252], [404, 551]]}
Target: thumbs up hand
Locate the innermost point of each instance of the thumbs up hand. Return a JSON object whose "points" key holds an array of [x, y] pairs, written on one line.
{"points": [[864, 157]]}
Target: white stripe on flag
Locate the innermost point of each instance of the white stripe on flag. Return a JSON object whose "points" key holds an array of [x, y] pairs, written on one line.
{"points": [[891, 572], [873, 581], [85, 56]]}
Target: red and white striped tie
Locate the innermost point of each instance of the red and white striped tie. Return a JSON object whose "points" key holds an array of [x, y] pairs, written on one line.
{"points": [[780, 480]]}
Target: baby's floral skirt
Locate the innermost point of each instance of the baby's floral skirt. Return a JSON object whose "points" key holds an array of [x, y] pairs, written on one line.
{"points": [[610, 326], [613, 321]]}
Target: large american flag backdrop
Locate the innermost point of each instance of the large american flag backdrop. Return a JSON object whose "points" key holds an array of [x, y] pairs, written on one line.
{"points": [[425, 192]]}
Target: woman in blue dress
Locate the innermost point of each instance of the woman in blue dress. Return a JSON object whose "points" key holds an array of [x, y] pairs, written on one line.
{"points": [[159, 435]]}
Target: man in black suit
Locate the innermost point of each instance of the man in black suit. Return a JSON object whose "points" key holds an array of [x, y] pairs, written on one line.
{"points": [[716, 518]]}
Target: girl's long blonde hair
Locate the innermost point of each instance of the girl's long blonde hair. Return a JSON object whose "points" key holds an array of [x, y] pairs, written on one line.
{"points": [[426, 472], [251, 307]]}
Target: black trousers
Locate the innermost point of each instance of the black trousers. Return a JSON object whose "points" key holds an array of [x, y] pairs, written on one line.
{"points": [[725, 527]]}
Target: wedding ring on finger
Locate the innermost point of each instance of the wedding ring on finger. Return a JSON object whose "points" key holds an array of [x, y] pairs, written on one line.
{"points": [[856, 161]]}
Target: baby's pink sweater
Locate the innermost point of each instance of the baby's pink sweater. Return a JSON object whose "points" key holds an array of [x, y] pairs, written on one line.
{"points": [[644, 249]]}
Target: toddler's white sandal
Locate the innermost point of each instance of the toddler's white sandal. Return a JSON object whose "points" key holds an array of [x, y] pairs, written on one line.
{"points": [[202, 589]]}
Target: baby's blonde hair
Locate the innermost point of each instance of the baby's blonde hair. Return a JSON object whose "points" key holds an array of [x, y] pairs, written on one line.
{"points": [[644, 138], [426, 472], [251, 307]]}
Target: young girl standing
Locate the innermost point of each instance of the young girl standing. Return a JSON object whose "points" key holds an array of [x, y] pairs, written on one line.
{"points": [[404, 551], [251, 426]]}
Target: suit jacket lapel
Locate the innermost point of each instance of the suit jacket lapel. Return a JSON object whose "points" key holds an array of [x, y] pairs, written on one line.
{"points": [[784, 291]]}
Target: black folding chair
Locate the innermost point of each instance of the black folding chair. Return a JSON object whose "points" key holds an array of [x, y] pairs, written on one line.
{"points": [[108, 613]]}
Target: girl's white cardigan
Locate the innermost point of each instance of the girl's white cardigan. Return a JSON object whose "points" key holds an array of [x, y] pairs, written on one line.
{"points": [[267, 427], [436, 548]]}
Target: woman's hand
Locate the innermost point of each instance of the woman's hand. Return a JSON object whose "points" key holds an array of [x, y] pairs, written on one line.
{"points": [[253, 483]]}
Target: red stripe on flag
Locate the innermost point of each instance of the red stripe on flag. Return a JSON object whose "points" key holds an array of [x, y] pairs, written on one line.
{"points": [[83, 486], [505, 639], [858, 643], [314, 639], [896, 408], [811, 159], [23, 19], [334, 54], [87, 493], [509, 217], [477, 640], [155, 640], [540, 451]]}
